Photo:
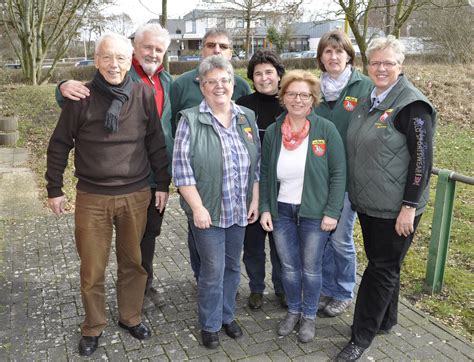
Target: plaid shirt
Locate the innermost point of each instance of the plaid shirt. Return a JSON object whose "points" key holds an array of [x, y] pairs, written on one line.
{"points": [[236, 166]]}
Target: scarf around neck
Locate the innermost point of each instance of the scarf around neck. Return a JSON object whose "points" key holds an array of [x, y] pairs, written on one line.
{"points": [[332, 88], [119, 94], [291, 140]]}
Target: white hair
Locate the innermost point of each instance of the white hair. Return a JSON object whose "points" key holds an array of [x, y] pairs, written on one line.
{"points": [[117, 37], [154, 28], [384, 43]]}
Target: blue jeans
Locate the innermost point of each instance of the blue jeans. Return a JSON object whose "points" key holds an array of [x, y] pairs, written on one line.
{"points": [[300, 245], [220, 250], [339, 262], [254, 259]]}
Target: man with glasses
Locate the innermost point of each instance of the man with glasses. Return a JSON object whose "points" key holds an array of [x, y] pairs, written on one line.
{"points": [[185, 93], [150, 44]]}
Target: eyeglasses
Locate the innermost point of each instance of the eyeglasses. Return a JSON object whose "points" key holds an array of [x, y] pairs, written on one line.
{"points": [[386, 65], [213, 82], [108, 58], [303, 96], [212, 45]]}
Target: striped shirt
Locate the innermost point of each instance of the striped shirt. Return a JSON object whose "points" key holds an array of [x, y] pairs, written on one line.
{"points": [[236, 166]]}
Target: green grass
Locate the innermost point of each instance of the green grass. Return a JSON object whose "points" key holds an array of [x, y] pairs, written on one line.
{"points": [[38, 115]]}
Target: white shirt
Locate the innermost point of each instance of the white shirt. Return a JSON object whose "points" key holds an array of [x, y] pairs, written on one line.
{"points": [[290, 173]]}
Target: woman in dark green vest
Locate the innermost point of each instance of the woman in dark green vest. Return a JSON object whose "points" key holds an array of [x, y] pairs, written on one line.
{"points": [[390, 156], [216, 163]]}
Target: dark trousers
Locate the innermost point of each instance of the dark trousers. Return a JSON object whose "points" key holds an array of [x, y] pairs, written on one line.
{"points": [[152, 230], [254, 259], [377, 299]]}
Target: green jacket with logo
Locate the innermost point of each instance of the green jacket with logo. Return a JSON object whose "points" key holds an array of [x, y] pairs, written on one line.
{"points": [[206, 157], [378, 155], [358, 87], [324, 175], [185, 93]]}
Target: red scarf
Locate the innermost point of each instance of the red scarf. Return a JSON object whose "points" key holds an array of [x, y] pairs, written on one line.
{"points": [[291, 140], [154, 82]]}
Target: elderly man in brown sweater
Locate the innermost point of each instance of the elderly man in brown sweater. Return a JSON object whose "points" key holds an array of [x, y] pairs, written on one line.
{"points": [[117, 137]]}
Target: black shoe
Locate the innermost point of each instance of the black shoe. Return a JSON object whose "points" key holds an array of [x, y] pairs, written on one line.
{"points": [[210, 339], [233, 330], [350, 352], [255, 300], [140, 331], [282, 299], [88, 345]]}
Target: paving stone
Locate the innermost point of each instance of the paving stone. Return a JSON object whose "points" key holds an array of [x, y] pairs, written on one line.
{"points": [[261, 348], [463, 347], [41, 309], [232, 349], [289, 346]]}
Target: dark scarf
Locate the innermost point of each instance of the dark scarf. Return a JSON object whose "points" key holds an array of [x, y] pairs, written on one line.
{"points": [[119, 94]]}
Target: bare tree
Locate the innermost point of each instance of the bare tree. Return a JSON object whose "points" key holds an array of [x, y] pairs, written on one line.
{"points": [[279, 38], [394, 12], [164, 20], [251, 11], [42, 27], [448, 26]]}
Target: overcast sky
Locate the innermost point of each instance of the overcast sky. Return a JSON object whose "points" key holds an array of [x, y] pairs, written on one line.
{"points": [[150, 9]]}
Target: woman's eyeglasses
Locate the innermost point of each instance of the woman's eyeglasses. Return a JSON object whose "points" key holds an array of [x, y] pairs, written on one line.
{"points": [[303, 96]]}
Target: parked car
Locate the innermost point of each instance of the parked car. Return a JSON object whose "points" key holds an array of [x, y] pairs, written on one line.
{"points": [[12, 66], [190, 58], [309, 54], [84, 63], [290, 55]]}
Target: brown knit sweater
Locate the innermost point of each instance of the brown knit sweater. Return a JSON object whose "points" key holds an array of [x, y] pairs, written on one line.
{"points": [[109, 163]]}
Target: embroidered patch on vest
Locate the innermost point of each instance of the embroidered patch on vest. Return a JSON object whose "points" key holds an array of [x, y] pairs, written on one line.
{"points": [[381, 122], [350, 103], [319, 147], [248, 132]]}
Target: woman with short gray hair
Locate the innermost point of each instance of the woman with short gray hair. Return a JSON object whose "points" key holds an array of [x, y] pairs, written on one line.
{"points": [[216, 167], [390, 156]]}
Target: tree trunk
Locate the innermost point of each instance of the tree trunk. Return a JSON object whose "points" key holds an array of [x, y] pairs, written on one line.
{"points": [[164, 20]]}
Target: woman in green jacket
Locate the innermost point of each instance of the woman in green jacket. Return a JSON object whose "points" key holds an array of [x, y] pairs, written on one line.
{"points": [[342, 88], [303, 177]]}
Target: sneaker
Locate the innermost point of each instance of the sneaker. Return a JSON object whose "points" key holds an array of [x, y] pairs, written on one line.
{"points": [[156, 298], [324, 300], [289, 323], [351, 352], [307, 328], [336, 307], [282, 299], [255, 300]]}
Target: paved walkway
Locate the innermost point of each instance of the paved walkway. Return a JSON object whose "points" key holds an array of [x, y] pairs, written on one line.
{"points": [[40, 305]]}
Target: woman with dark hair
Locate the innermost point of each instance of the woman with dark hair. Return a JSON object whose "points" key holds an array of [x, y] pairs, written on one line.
{"points": [[342, 87], [265, 70]]}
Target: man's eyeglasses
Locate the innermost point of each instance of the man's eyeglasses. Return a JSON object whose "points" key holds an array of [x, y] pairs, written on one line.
{"points": [[212, 45], [386, 65], [108, 58], [214, 82], [303, 96]]}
